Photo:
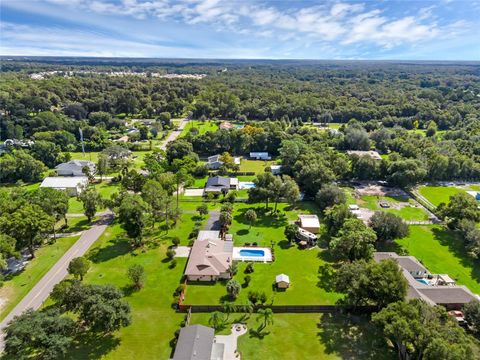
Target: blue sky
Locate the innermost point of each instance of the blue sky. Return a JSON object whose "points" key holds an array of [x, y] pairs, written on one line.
{"points": [[281, 29]]}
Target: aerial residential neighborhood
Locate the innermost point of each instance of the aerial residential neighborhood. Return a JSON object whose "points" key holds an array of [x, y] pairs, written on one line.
{"points": [[215, 180]]}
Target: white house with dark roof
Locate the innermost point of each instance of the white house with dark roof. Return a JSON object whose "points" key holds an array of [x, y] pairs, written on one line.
{"points": [[433, 289], [214, 162], [75, 168], [195, 342], [219, 184]]}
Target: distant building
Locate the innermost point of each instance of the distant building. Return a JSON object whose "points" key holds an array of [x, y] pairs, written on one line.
{"points": [[260, 155], [210, 257], [73, 185], [226, 125], [276, 169], [220, 184], [214, 162], [435, 289], [75, 168], [373, 154]]}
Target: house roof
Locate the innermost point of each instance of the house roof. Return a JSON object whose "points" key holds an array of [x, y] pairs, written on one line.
{"points": [[282, 278], [75, 165], [210, 255], [448, 294], [214, 158], [373, 154], [194, 342], [218, 181], [62, 182], [309, 221], [409, 263]]}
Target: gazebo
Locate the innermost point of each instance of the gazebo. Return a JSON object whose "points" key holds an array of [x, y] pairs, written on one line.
{"points": [[282, 281]]}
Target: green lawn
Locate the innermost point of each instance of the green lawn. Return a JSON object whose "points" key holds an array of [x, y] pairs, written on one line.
{"points": [[105, 188], [442, 252], [308, 336], [306, 286], [438, 194], [256, 166], [202, 126], [153, 321], [406, 208], [15, 288]]}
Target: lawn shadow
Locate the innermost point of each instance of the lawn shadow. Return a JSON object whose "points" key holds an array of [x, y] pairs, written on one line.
{"points": [[352, 337], [326, 277], [456, 247], [115, 248], [242, 232], [285, 244], [82, 225], [92, 346]]}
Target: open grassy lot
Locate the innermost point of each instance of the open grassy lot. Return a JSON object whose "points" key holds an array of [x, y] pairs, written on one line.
{"points": [[308, 336], [256, 166], [202, 126], [442, 252], [136, 158], [406, 208], [18, 285], [438, 194], [306, 286], [153, 320], [105, 189]]}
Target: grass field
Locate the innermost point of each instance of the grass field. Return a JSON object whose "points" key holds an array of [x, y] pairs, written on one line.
{"points": [[153, 321], [442, 252], [15, 288], [202, 126], [308, 336], [438, 194], [406, 208], [256, 166]]}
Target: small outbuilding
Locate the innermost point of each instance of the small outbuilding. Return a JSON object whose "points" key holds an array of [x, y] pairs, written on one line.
{"points": [[276, 169], [309, 223], [282, 281]]}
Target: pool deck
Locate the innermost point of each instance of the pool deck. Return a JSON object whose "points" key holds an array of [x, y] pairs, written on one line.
{"points": [[266, 258]]}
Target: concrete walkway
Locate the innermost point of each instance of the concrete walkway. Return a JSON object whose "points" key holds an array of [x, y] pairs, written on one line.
{"points": [[230, 341], [182, 251], [40, 292]]}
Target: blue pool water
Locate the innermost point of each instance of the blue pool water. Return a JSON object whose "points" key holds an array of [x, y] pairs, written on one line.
{"points": [[247, 185], [423, 281], [258, 253]]}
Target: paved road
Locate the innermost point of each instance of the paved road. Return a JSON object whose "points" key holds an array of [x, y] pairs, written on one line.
{"points": [[174, 134], [40, 292]]}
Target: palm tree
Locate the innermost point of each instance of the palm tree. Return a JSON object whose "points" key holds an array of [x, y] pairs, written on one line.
{"points": [[251, 217], [233, 288], [228, 308], [216, 319], [265, 315]]}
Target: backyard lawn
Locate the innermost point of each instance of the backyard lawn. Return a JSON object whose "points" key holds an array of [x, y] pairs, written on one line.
{"points": [[256, 166], [406, 208], [153, 320], [202, 126], [442, 252], [305, 288], [308, 336], [438, 194], [16, 287]]}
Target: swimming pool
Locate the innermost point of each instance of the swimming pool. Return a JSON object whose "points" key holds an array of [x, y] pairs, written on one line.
{"points": [[246, 185], [423, 281], [252, 254]]}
